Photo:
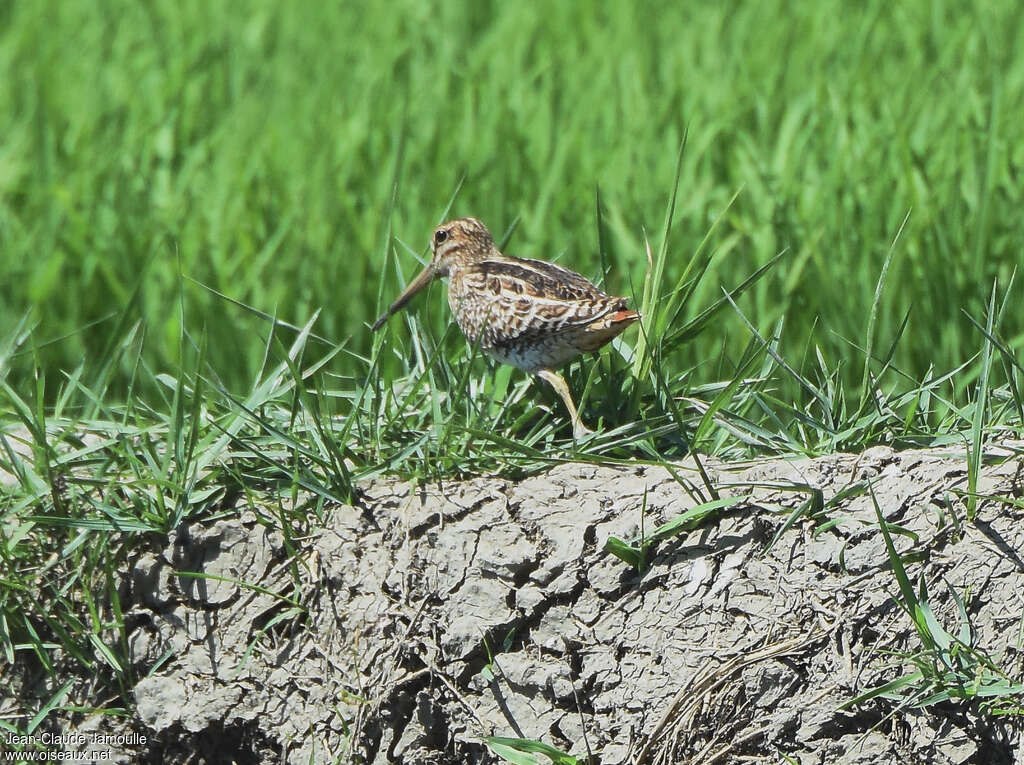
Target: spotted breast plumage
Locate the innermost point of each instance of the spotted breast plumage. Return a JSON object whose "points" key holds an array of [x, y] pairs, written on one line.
{"points": [[532, 314]]}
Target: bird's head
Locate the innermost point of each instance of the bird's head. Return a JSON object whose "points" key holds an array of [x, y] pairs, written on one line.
{"points": [[458, 243], [453, 245]]}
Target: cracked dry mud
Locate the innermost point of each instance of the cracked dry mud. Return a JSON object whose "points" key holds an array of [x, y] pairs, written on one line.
{"points": [[724, 650]]}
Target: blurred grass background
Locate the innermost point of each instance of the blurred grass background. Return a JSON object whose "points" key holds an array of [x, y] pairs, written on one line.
{"points": [[256, 147]]}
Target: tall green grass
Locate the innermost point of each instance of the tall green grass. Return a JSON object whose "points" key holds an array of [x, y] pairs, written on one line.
{"points": [[269, 151]]}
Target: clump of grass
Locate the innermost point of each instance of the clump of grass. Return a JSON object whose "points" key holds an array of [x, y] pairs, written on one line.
{"points": [[993, 319], [521, 751], [94, 476], [637, 551], [947, 667]]}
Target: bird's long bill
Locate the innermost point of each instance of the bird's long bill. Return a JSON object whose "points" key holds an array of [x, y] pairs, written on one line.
{"points": [[422, 280]]}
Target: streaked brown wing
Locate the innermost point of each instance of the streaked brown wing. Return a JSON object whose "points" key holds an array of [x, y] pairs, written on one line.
{"points": [[548, 276], [540, 279], [526, 300]]}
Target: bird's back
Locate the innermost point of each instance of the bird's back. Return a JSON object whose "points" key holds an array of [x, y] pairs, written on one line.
{"points": [[533, 314]]}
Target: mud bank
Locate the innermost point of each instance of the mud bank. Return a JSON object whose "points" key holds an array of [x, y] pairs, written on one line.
{"points": [[429, 617]]}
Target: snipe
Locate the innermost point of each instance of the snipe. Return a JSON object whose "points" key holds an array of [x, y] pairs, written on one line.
{"points": [[528, 313]]}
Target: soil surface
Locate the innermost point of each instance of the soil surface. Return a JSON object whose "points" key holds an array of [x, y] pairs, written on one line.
{"points": [[429, 617]]}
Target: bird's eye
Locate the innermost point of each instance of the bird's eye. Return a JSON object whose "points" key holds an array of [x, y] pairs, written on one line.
{"points": [[440, 237]]}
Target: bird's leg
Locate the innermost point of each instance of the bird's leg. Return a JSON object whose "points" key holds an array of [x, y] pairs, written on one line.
{"points": [[579, 430]]}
